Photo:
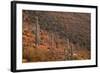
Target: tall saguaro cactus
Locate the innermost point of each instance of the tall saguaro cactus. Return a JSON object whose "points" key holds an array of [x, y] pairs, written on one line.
{"points": [[51, 40], [69, 49], [37, 32]]}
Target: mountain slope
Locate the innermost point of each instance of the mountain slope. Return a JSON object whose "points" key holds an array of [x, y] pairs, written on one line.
{"points": [[62, 36]]}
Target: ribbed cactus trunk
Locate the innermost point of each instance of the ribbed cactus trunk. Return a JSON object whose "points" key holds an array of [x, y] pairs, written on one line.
{"points": [[69, 48], [51, 40], [71, 52], [37, 32]]}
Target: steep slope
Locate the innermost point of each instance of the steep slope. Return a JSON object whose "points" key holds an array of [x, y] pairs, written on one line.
{"points": [[56, 28]]}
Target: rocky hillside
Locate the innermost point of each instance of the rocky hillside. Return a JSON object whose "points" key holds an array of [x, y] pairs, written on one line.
{"points": [[55, 36]]}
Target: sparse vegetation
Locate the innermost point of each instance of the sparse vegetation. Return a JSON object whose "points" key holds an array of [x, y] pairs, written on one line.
{"points": [[55, 36]]}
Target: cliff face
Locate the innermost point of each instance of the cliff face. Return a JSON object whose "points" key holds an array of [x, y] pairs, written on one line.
{"points": [[55, 36]]}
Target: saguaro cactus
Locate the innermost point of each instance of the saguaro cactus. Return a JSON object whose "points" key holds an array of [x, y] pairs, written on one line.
{"points": [[37, 32], [69, 49], [51, 40]]}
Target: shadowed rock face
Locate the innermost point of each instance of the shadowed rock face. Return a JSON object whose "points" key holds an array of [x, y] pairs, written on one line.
{"points": [[55, 29]]}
